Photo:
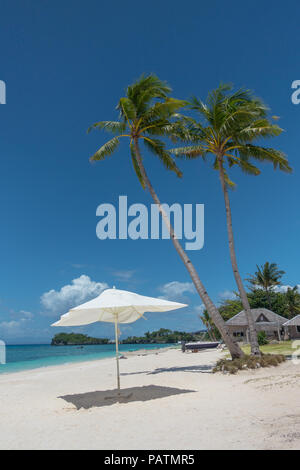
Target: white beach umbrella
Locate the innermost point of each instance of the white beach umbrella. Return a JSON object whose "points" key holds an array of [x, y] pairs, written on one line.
{"points": [[115, 306]]}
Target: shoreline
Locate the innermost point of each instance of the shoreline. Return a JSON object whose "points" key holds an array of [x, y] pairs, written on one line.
{"points": [[138, 352]]}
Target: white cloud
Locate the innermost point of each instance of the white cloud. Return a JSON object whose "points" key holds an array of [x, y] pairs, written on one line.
{"points": [[227, 295], [27, 315], [285, 288], [175, 289], [79, 291], [8, 325], [281, 288], [124, 275], [199, 309], [17, 326]]}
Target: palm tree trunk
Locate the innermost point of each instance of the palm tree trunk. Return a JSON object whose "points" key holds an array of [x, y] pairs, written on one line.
{"points": [[269, 298], [253, 334], [213, 333], [208, 330], [233, 347]]}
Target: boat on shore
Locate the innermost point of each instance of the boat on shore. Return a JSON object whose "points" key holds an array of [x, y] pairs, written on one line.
{"points": [[200, 345]]}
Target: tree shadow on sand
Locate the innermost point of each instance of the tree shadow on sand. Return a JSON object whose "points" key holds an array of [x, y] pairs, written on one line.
{"points": [[110, 397], [204, 369]]}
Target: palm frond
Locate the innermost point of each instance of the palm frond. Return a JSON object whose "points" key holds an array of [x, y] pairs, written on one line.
{"points": [[267, 276], [265, 154], [201, 107], [106, 150], [127, 109], [157, 147], [230, 123], [165, 128], [165, 109], [116, 127], [136, 166], [260, 128], [245, 166], [147, 88], [192, 152], [228, 181]]}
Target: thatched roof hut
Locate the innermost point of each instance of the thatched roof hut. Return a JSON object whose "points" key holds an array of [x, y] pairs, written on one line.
{"points": [[293, 322], [275, 326], [263, 316], [264, 319]]}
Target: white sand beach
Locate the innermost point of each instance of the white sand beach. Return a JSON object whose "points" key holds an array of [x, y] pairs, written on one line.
{"points": [[176, 403]]}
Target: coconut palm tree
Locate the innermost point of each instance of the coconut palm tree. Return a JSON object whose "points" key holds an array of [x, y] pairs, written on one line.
{"points": [[205, 318], [148, 115], [230, 123], [292, 299], [266, 277]]}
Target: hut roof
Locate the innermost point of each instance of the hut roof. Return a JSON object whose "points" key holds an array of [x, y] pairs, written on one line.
{"points": [[262, 316], [293, 322]]}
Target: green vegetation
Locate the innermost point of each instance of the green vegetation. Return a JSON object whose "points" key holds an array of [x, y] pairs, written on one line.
{"points": [[212, 332], [292, 302], [248, 362], [162, 336], [284, 347], [68, 339], [262, 338], [267, 277], [286, 304]]}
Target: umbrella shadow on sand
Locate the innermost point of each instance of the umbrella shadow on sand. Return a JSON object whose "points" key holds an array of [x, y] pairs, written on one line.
{"points": [[110, 397]]}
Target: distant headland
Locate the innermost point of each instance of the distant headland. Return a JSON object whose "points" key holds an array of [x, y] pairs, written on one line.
{"points": [[73, 339], [158, 337]]}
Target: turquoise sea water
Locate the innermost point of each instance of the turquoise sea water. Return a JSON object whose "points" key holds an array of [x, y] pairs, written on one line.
{"points": [[25, 357]]}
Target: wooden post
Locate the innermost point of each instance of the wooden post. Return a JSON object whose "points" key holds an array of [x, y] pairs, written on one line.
{"points": [[117, 353], [278, 331], [247, 336]]}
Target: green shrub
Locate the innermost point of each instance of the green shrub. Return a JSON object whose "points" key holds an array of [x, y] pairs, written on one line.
{"points": [[248, 362], [262, 338]]}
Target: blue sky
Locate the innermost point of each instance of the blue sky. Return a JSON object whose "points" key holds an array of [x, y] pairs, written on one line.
{"points": [[65, 64]]}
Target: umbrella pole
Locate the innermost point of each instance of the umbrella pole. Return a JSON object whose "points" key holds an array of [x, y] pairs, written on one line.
{"points": [[117, 353]]}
